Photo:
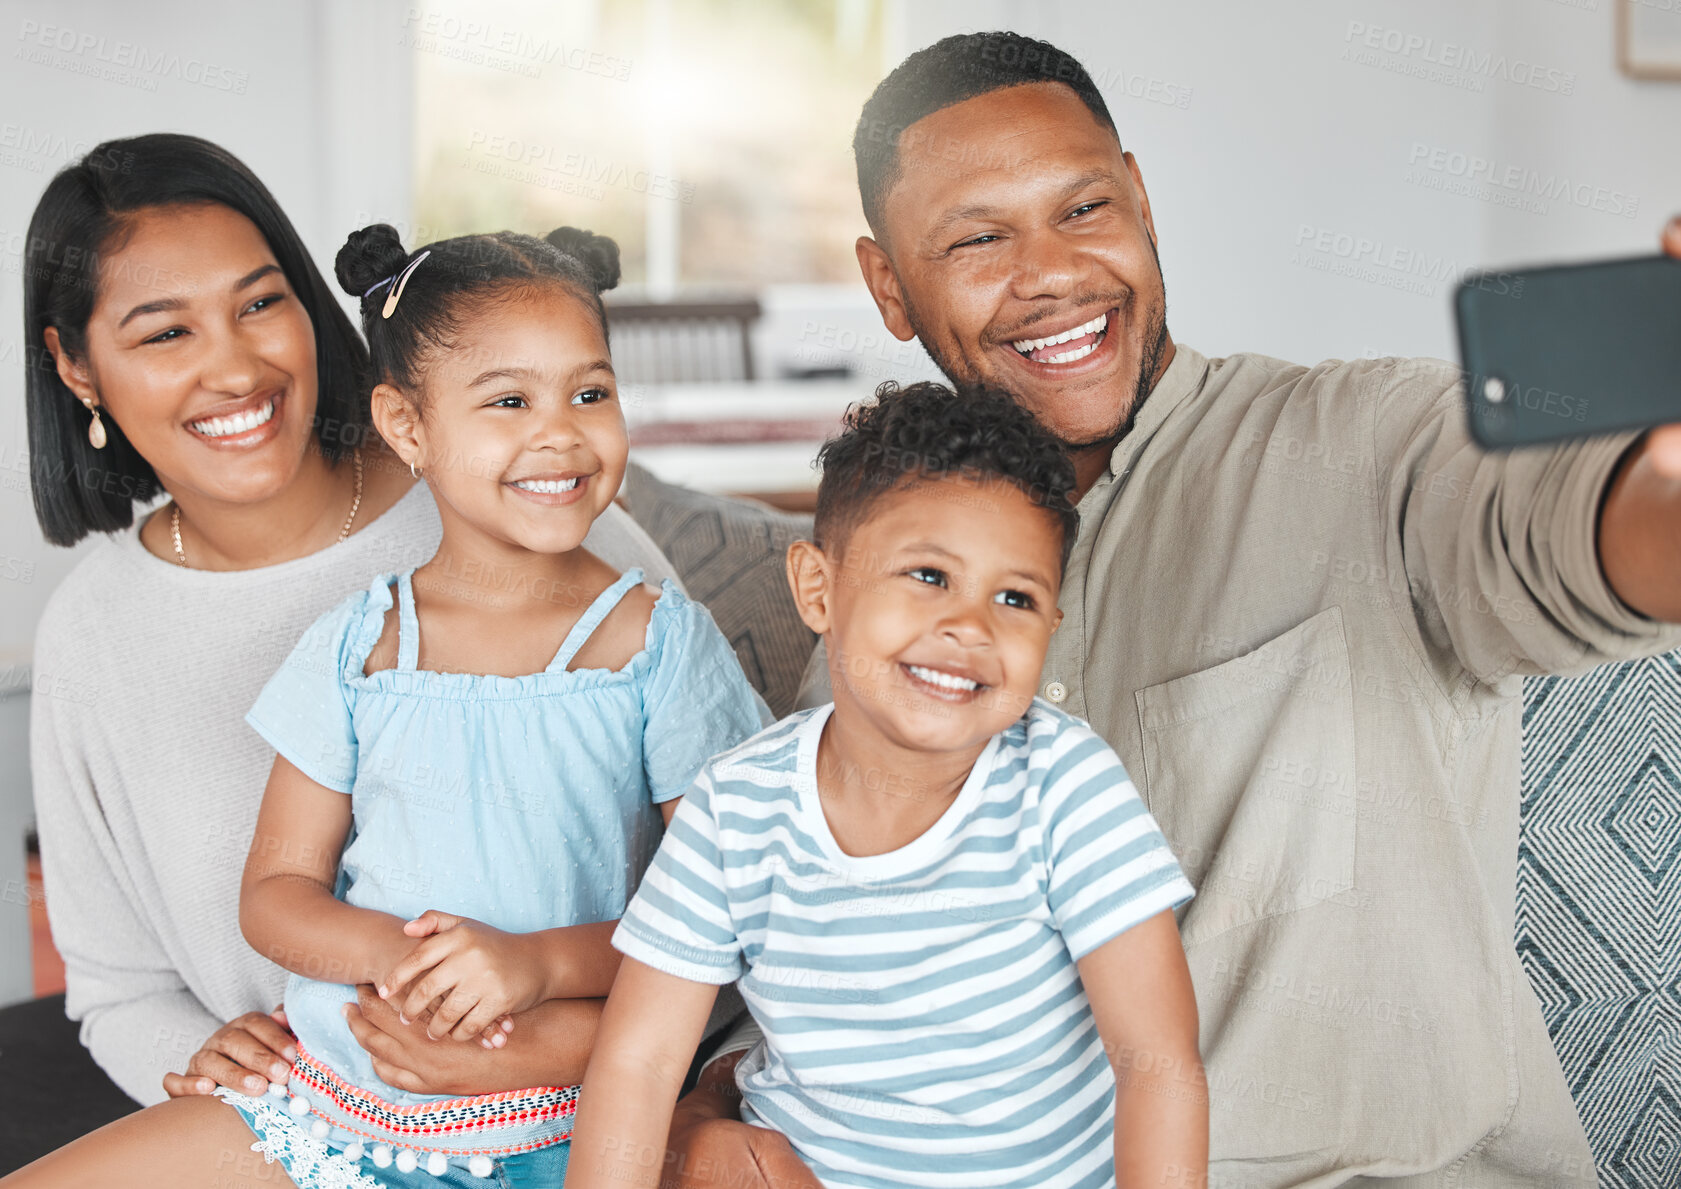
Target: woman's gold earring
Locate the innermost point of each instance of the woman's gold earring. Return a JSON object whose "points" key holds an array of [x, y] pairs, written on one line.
{"points": [[96, 431]]}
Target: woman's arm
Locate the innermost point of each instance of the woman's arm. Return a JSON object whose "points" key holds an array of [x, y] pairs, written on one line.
{"points": [[649, 1032], [1140, 991], [139, 1020], [549, 1046], [287, 909]]}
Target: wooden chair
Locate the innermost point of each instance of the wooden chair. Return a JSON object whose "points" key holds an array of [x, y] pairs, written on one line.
{"points": [[673, 342]]}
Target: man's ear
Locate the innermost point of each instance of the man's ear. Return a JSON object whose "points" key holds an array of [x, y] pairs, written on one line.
{"points": [[883, 284], [812, 583], [1143, 198], [72, 371], [398, 422]]}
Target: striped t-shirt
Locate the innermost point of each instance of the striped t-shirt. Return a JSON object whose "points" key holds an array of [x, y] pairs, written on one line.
{"points": [[924, 1020]]}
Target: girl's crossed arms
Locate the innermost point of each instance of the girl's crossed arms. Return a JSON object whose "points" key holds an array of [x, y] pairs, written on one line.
{"points": [[464, 978]]}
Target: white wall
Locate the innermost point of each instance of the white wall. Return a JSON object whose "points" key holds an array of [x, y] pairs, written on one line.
{"points": [[313, 96], [1615, 133], [1272, 139]]}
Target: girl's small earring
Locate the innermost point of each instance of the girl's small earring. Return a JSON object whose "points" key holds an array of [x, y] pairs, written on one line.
{"points": [[413, 470], [96, 431]]}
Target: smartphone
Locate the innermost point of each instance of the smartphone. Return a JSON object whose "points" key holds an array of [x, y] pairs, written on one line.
{"points": [[1570, 351]]}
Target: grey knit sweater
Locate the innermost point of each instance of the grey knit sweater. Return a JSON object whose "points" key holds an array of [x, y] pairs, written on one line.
{"points": [[147, 779]]}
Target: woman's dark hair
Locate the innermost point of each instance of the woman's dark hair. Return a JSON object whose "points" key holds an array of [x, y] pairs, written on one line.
{"points": [[82, 217], [925, 431], [455, 277]]}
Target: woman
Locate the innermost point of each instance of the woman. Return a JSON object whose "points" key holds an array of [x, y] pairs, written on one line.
{"points": [[188, 347]]}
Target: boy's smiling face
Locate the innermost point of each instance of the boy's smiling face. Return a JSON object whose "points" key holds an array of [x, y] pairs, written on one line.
{"points": [[936, 610]]}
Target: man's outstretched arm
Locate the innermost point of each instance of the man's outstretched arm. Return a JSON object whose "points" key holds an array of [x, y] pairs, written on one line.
{"points": [[1640, 527], [1543, 559]]}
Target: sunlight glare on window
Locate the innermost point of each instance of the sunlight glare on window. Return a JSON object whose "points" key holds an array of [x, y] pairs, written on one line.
{"points": [[711, 138]]}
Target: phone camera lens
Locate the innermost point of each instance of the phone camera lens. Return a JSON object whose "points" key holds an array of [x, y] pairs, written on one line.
{"points": [[1494, 390]]}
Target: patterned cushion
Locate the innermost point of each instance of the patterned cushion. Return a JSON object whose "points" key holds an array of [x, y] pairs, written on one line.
{"points": [[1599, 903], [729, 552]]}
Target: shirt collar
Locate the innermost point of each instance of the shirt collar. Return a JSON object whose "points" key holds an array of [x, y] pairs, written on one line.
{"points": [[1183, 378]]}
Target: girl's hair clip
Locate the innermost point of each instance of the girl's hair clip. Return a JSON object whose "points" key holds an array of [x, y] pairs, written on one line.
{"points": [[396, 282]]}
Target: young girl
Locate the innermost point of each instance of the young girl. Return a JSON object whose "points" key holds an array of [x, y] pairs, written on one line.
{"points": [[504, 720]]}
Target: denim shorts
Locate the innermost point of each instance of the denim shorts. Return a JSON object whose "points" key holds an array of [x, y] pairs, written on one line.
{"points": [[321, 1164]]}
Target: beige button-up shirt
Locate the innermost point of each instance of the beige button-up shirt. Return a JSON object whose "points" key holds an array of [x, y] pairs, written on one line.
{"points": [[1299, 608]]}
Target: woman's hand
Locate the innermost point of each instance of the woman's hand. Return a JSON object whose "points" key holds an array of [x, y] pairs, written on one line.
{"points": [[467, 974], [244, 1054], [404, 1057], [550, 1048]]}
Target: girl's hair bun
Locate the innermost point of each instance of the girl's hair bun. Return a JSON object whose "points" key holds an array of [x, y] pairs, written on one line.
{"points": [[368, 257], [598, 254]]}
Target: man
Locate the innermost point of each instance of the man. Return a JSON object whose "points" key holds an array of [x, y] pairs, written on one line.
{"points": [[1300, 607]]}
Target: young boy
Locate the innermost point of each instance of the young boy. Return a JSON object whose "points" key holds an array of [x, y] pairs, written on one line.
{"points": [[947, 905]]}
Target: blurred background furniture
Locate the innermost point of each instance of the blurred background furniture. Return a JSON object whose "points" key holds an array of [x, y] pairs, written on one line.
{"points": [[17, 817], [756, 439], [660, 342], [729, 552], [54, 1091]]}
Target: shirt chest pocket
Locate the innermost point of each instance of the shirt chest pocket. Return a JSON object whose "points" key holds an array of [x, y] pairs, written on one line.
{"points": [[1250, 772]]}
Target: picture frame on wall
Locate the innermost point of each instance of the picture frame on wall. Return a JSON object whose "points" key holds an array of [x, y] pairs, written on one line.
{"points": [[1649, 38]]}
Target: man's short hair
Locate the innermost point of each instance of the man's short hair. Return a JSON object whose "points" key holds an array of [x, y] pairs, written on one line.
{"points": [[951, 70], [925, 432]]}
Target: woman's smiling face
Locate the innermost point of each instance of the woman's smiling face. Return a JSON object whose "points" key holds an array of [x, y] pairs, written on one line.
{"points": [[198, 348]]}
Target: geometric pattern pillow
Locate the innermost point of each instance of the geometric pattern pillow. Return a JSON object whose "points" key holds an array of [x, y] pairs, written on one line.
{"points": [[1599, 903], [729, 553]]}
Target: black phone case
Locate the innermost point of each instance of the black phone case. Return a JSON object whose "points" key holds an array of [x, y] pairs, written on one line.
{"points": [[1571, 351]]}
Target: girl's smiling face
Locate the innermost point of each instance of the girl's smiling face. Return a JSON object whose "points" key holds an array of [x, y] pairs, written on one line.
{"points": [[519, 430]]}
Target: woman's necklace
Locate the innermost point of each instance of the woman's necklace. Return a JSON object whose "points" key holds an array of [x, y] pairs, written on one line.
{"points": [[355, 506]]}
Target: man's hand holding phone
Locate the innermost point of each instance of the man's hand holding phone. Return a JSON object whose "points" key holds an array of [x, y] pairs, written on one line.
{"points": [[1663, 445], [1573, 351], [1640, 522]]}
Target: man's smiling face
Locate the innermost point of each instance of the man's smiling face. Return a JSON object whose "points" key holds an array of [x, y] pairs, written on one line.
{"points": [[1027, 259]]}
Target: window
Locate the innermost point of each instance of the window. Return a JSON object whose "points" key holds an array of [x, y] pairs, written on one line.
{"points": [[710, 138]]}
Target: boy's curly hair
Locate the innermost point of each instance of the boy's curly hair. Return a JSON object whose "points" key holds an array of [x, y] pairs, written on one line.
{"points": [[926, 431]]}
